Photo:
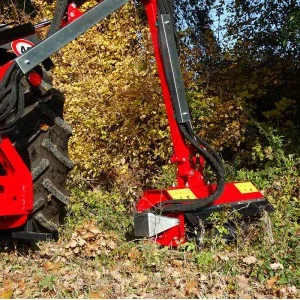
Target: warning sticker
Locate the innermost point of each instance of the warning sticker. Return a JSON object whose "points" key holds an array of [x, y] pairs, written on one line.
{"points": [[246, 187], [179, 194], [21, 46]]}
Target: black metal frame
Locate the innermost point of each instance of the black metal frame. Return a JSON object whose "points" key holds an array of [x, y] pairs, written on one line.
{"points": [[247, 209], [172, 67]]}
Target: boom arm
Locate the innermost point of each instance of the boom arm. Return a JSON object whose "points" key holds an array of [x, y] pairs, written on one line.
{"points": [[65, 35]]}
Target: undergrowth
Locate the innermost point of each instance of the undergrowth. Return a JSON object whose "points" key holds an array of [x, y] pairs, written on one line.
{"points": [[264, 253]]}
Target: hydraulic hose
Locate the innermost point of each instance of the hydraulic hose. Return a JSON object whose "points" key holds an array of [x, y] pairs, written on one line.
{"points": [[213, 159], [11, 99]]}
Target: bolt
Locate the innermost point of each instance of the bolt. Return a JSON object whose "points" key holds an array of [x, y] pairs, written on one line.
{"points": [[72, 14], [27, 62], [192, 173], [73, 5], [167, 22]]}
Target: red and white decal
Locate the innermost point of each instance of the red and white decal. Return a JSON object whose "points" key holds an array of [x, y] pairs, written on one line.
{"points": [[21, 46]]}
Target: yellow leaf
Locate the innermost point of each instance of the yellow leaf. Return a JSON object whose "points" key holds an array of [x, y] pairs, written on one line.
{"points": [[6, 294], [49, 265], [177, 263], [52, 266], [44, 127], [94, 295], [272, 281]]}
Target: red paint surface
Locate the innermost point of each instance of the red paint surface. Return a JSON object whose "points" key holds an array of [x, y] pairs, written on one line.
{"points": [[16, 190]]}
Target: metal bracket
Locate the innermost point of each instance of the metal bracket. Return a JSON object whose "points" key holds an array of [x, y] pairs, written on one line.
{"points": [[32, 236], [149, 224], [59, 39]]}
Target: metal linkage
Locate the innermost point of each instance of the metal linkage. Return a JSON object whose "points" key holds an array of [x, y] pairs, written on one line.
{"points": [[50, 45]]}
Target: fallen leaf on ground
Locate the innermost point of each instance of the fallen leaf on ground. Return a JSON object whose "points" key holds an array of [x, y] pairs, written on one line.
{"points": [[94, 230], [250, 260], [72, 244], [245, 296], [272, 281], [281, 293], [44, 127], [276, 266], [192, 288], [242, 281], [81, 241], [6, 294], [216, 294], [97, 295], [21, 285], [223, 257], [140, 279], [48, 265], [177, 263], [292, 289], [203, 277], [94, 295]]}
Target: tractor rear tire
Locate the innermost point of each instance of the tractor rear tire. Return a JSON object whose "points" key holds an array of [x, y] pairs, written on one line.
{"points": [[41, 138]]}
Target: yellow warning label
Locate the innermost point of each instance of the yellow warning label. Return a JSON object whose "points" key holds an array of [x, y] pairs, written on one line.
{"points": [[179, 194], [246, 187]]}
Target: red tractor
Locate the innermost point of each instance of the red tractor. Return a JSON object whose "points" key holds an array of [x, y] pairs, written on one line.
{"points": [[34, 160]]}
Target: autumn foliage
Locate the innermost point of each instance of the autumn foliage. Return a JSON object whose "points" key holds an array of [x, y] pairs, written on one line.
{"points": [[113, 102], [241, 86]]}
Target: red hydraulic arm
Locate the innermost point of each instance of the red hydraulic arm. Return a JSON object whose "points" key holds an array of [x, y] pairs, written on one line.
{"points": [[182, 152]]}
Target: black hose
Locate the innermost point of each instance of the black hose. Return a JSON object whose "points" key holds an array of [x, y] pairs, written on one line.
{"points": [[212, 159], [11, 99]]}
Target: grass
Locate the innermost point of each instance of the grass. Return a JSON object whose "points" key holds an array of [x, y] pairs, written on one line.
{"points": [[98, 257], [94, 259]]}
